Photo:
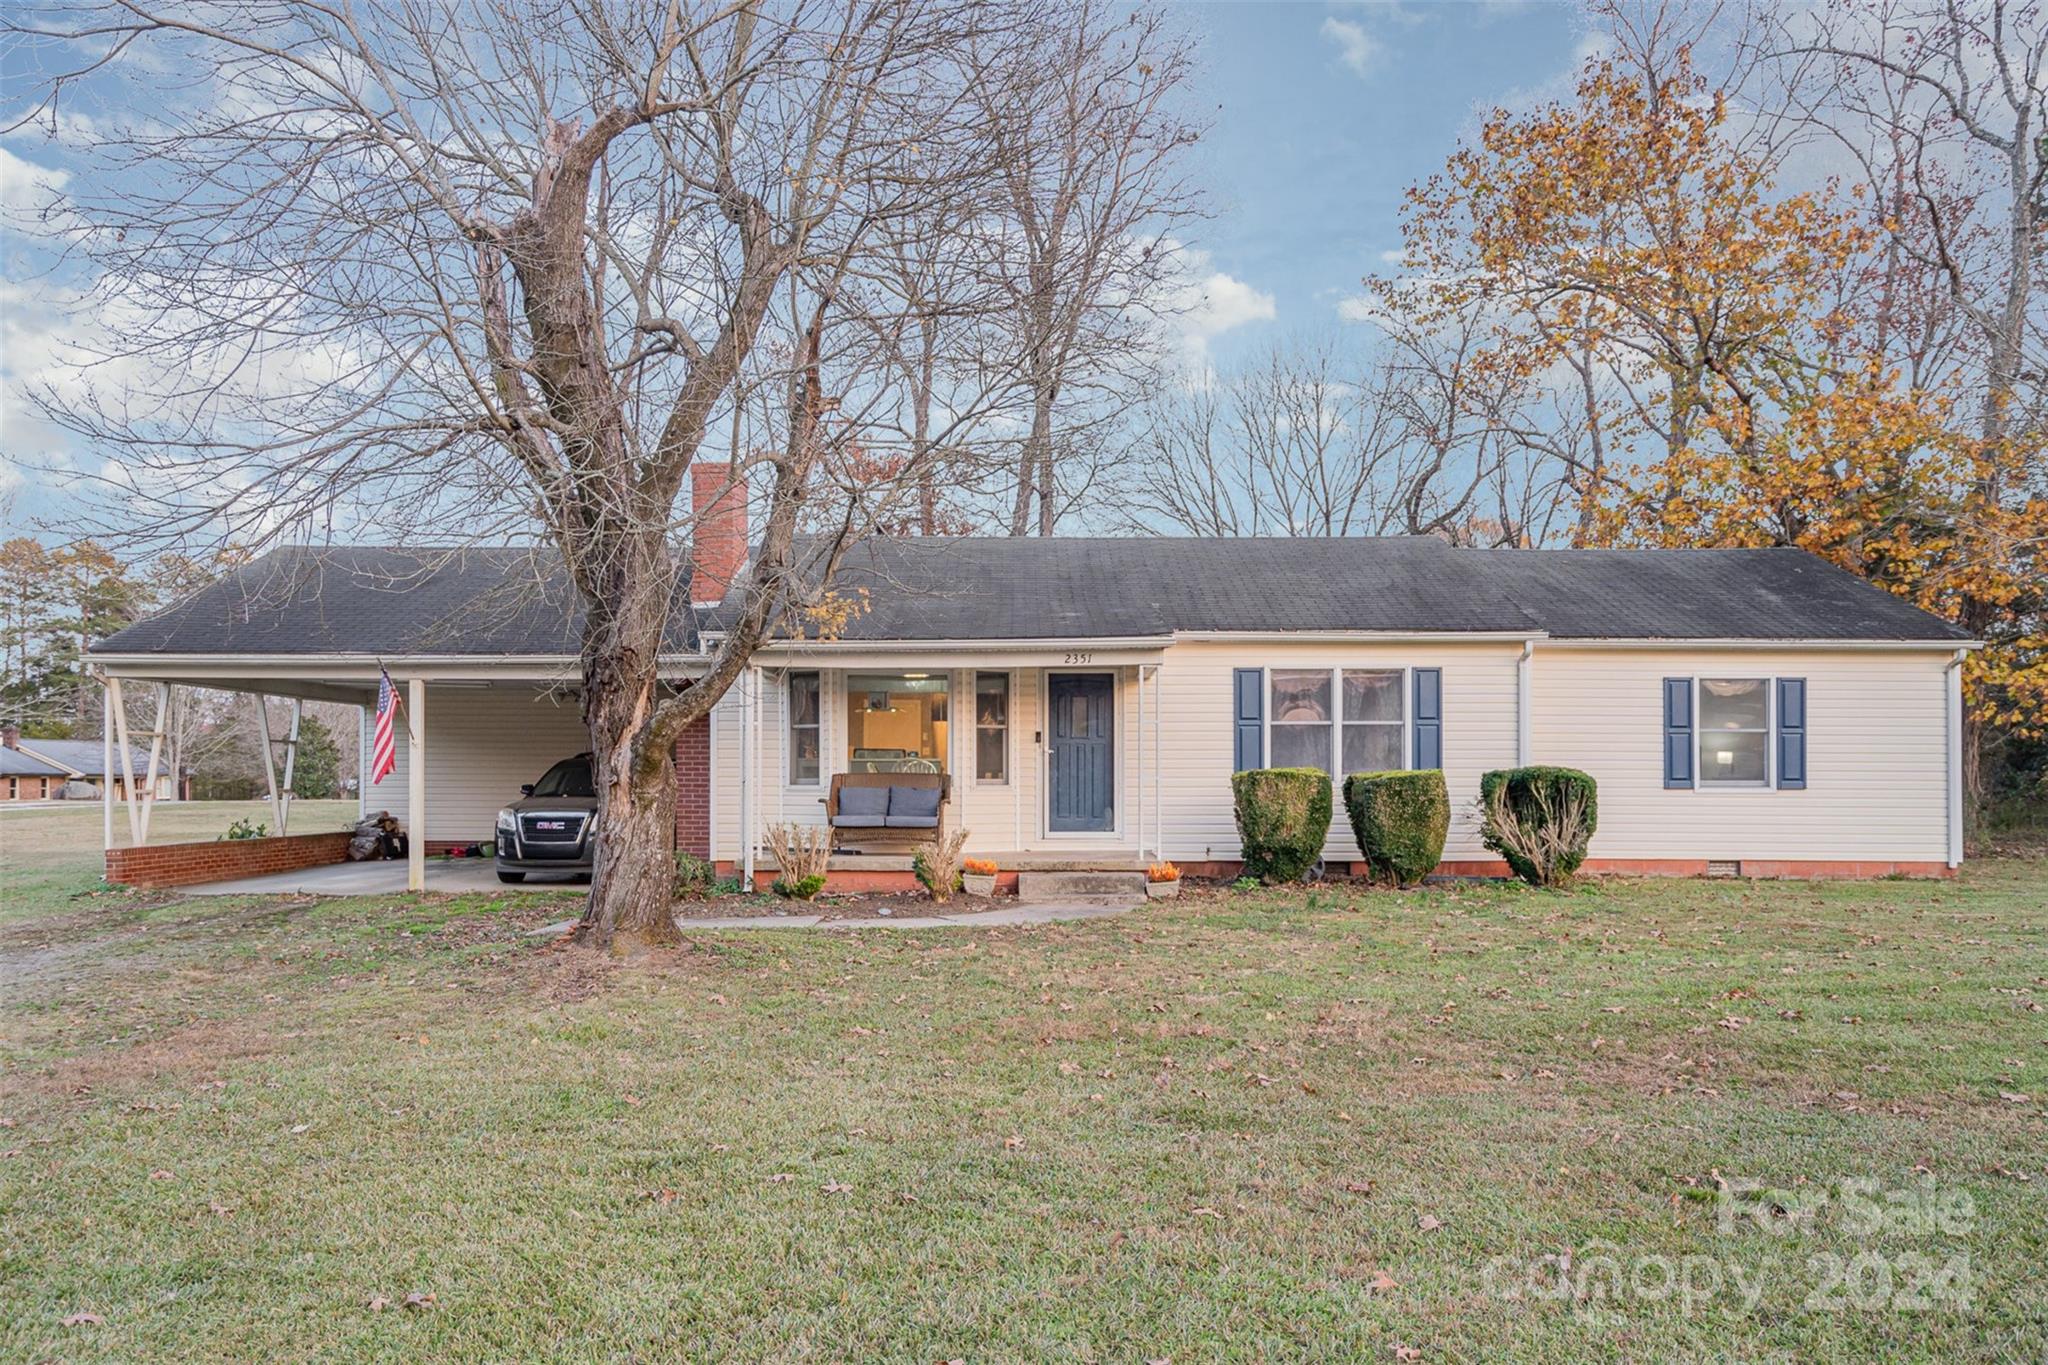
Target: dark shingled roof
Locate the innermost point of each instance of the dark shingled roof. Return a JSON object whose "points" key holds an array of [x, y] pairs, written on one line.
{"points": [[516, 601], [1002, 589], [82, 755], [376, 600], [15, 763]]}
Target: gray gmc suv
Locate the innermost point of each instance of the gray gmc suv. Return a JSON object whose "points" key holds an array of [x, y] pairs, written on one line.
{"points": [[550, 828]]}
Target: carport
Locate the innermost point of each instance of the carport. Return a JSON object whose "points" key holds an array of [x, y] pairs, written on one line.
{"points": [[480, 644]]}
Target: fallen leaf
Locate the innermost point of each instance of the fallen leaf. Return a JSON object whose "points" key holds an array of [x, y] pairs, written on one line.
{"points": [[836, 1187], [1379, 1282], [1204, 1212], [1012, 1143], [1358, 1187], [2011, 1097], [161, 1175], [781, 1178], [1429, 1222], [660, 1196], [84, 1320], [378, 1303], [1405, 1352], [418, 1300], [301, 1127]]}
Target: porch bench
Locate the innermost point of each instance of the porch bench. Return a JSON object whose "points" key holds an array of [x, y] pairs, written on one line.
{"points": [[896, 809]]}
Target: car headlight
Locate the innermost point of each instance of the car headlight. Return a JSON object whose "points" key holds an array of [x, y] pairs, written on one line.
{"points": [[508, 822]]}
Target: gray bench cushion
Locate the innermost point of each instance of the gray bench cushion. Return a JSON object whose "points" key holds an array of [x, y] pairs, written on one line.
{"points": [[913, 822], [863, 801], [858, 821], [916, 803]]}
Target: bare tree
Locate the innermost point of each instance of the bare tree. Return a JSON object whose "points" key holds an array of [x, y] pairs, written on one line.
{"points": [[1419, 437], [515, 265], [1092, 140]]}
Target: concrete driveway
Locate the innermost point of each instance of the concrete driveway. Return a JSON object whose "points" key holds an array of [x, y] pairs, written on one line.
{"points": [[381, 879]]}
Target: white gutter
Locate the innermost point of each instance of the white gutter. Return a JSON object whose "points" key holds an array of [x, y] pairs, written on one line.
{"points": [[1523, 672], [1057, 645], [1831, 646], [1368, 636], [1953, 676]]}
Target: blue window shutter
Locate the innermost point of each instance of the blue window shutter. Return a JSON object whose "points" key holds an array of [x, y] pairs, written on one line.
{"points": [[1251, 719], [1678, 746], [1792, 734], [1429, 718]]}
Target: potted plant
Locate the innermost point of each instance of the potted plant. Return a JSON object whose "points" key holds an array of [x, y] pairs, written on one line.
{"points": [[978, 875], [1161, 881]]}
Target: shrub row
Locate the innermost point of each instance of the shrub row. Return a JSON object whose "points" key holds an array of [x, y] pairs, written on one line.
{"points": [[1539, 819]]}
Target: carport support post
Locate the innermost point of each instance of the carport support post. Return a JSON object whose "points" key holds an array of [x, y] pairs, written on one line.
{"points": [[106, 763], [416, 785]]}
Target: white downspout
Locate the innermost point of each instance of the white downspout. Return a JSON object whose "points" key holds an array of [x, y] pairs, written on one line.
{"points": [[1141, 760], [1523, 675], [1954, 679], [750, 762]]}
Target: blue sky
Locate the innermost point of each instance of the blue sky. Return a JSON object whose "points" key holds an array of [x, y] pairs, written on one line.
{"points": [[1323, 115]]}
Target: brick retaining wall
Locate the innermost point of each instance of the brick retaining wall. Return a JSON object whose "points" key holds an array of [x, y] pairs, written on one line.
{"points": [[223, 859]]}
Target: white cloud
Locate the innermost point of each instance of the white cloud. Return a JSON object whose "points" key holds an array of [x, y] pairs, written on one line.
{"points": [[1211, 303], [1356, 48], [1357, 308]]}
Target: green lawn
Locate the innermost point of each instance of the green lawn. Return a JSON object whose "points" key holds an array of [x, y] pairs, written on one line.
{"points": [[1255, 1126], [48, 852]]}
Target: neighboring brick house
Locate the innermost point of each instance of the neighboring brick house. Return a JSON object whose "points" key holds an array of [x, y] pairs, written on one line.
{"points": [[38, 769]]}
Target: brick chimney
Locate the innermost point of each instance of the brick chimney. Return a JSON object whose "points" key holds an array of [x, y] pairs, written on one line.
{"points": [[718, 540], [10, 735]]}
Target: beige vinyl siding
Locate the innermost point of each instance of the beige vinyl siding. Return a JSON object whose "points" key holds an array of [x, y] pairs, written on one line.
{"points": [[1876, 754], [482, 744], [1198, 735]]}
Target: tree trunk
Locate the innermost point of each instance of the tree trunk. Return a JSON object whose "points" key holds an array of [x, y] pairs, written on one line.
{"points": [[633, 881]]}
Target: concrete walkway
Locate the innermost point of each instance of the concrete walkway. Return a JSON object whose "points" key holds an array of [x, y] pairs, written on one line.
{"points": [[382, 878]]}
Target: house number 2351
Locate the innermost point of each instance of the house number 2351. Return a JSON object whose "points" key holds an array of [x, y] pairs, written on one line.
{"points": [[1081, 657]]}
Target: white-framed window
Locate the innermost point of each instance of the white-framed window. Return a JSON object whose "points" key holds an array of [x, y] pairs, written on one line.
{"points": [[897, 722], [1734, 727], [1301, 718], [806, 736], [1375, 710], [1341, 720], [992, 729]]}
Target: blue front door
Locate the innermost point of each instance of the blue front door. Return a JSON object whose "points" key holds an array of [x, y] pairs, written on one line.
{"points": [[1081, 734]]}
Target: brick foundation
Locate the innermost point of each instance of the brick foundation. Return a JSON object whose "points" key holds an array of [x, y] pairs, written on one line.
{"points": [[220, 860], [693, 789]]}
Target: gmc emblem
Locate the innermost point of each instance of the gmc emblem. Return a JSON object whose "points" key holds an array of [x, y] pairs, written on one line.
{"points": [[557, 826]]}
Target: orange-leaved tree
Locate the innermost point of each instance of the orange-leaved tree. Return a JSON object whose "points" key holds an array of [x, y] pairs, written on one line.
{"points": [[1626, 243]]}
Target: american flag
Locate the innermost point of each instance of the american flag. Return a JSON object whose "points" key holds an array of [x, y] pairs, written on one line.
{"points": [[384, 750]]}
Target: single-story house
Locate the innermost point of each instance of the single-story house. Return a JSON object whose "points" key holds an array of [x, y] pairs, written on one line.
{"points": [[39, 769], [1758, 712]]}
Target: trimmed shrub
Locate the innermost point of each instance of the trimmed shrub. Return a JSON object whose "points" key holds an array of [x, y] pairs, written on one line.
{"points": [[1540, 819], [1400, 820], [800, 888], [1283, 817]]}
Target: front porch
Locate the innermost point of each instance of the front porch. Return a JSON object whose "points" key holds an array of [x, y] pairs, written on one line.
{"points": [[1051, 756]]}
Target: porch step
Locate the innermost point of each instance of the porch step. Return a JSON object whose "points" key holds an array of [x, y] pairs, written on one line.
{"points": [[1067, 886]]}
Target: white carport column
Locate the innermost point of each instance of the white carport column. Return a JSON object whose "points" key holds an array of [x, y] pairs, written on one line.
{"points": [[106, 763], [416, 785]]}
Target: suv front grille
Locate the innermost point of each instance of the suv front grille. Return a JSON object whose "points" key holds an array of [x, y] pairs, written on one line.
{"points": [[551, 834]]}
